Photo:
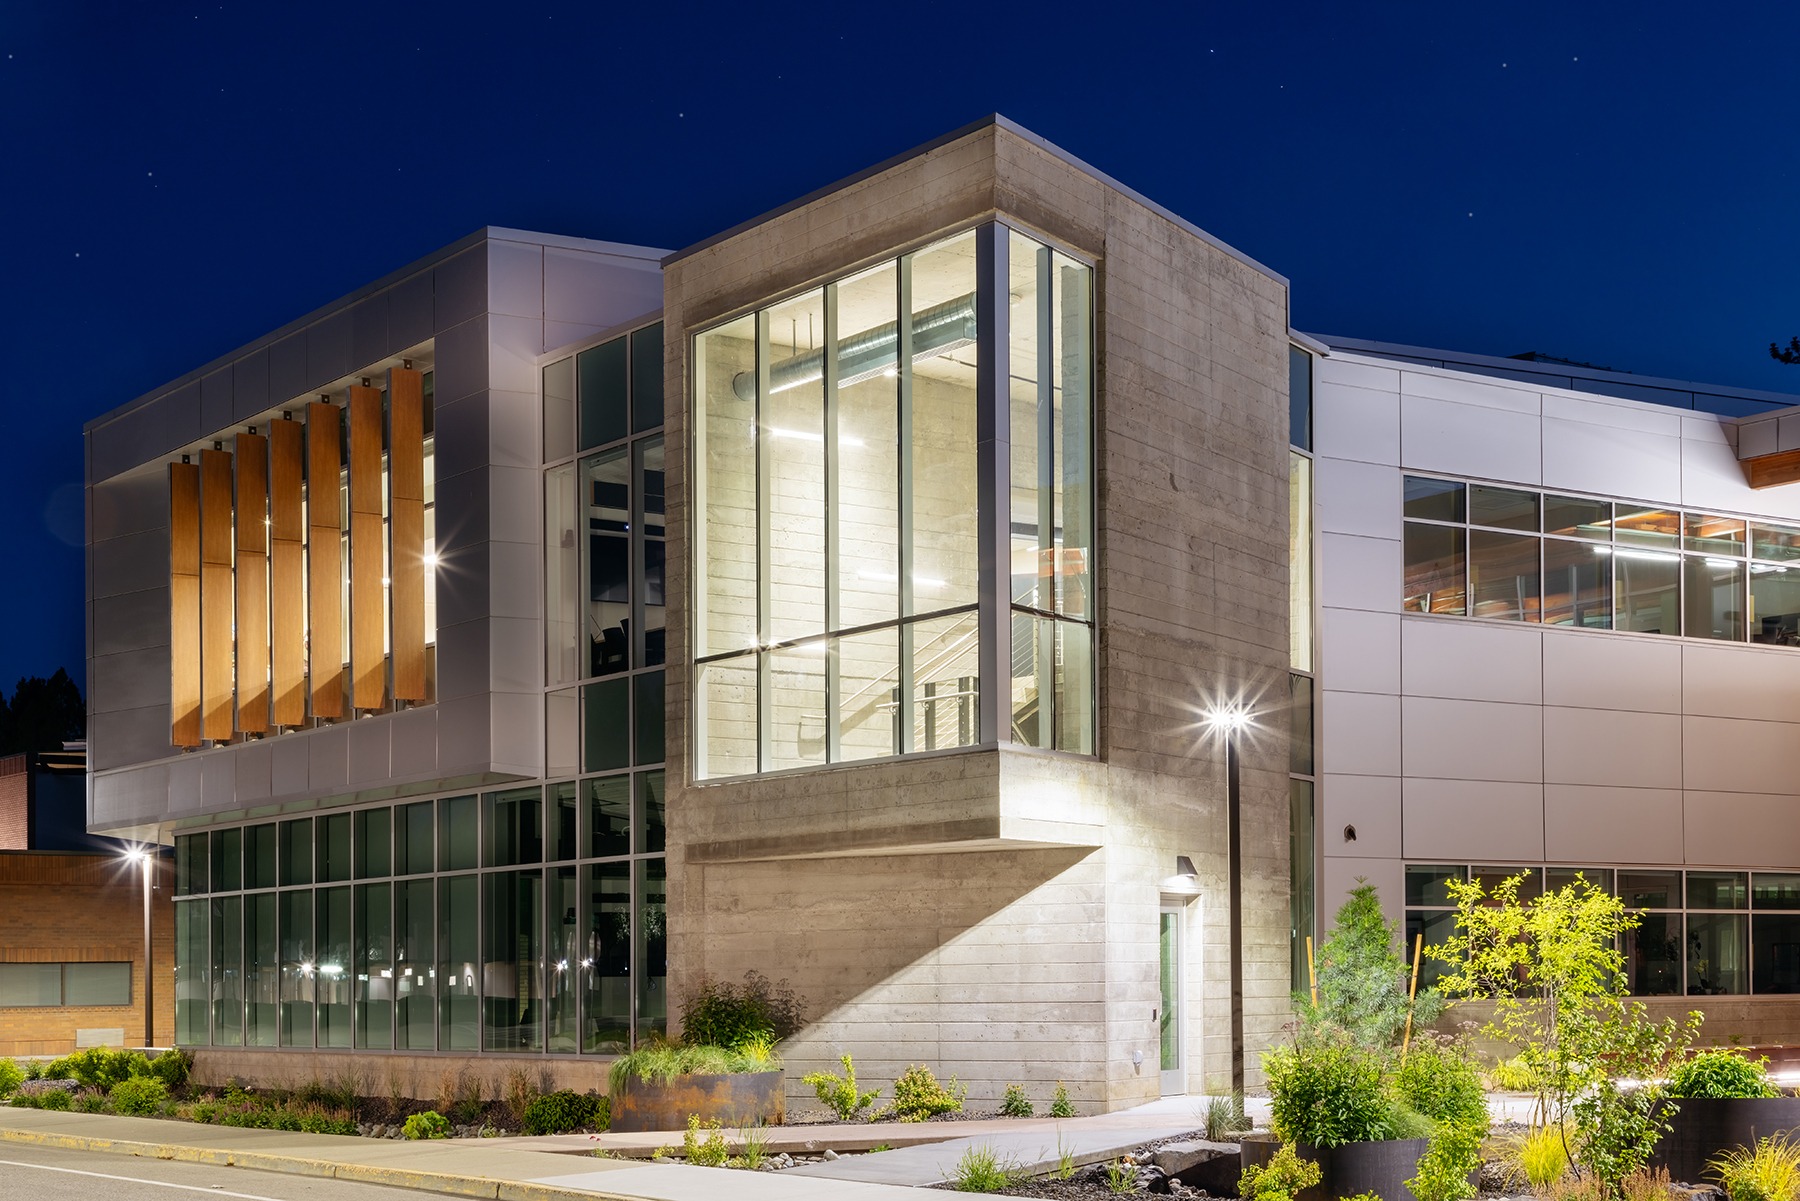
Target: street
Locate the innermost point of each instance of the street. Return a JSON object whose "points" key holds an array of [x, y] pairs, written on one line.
{"points": [[49, 1173]]}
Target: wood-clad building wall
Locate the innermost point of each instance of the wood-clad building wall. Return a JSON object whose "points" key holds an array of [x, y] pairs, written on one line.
{"points": [[253, 583], [368, 557], [406, 509], [287, 575], [324, 559], [215, 595], [184, 604]]}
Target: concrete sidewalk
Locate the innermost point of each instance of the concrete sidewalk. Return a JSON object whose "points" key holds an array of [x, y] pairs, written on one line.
{"points": [[459, 1167]]}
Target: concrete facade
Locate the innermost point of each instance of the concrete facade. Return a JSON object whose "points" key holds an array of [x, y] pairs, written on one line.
{"points": [[994, 911]]}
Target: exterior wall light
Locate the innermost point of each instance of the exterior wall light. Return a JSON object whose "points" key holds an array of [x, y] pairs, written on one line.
{"points": [[1185, 881]]}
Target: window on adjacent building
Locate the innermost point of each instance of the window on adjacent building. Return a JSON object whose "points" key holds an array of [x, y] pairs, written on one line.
{"points": [[50, 985]]}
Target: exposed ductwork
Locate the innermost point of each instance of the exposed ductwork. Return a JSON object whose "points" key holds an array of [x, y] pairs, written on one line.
{"points": [[935, 331]]}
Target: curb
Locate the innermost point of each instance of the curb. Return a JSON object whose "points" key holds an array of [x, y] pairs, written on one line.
{"points": [[295, 1165]]}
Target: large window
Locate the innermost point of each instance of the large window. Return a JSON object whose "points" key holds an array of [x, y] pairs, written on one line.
{"points": [[1699, 932], [1513, 554], [47, 985], [839, 515]]}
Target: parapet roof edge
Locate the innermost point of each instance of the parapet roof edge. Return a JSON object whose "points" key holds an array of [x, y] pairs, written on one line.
{"points": [[997, 121], [487, 233], [1530, 367]]}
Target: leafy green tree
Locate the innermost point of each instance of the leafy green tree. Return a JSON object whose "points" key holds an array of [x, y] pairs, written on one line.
{"points": [[1552, 969], [1363, 978]]}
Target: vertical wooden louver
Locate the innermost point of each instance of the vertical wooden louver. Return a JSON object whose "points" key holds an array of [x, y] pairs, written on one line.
{"points": [[252, 583], [406, 509], [324, 560], [184, 604], [368, 607], [215, 595], [287, 576]]}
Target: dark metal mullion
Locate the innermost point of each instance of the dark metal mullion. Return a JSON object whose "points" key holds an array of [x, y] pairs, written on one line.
{"points": [[833, 562], [763, 730], [903, 401], [1047, 467], [993, 466]]}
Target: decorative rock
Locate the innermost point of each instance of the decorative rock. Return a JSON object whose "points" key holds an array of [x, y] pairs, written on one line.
{"points": [[1175, 1158], [830, 1154]]}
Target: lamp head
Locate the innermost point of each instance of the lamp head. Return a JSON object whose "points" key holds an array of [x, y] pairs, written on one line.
{"points": [[1230, 718]]}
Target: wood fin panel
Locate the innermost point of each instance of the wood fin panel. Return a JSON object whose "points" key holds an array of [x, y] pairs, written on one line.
{"points": [[368, 558], [252, 580], [184, 604], [406, 508], [216, 600], [287, 575], [324, 559]]}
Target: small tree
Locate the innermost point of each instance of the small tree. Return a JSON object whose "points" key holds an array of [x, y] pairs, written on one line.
{"points": [[1363, 978], [1554, 973]]}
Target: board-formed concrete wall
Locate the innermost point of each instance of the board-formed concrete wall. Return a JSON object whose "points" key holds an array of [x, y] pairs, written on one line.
{"points": [[994, 912]]}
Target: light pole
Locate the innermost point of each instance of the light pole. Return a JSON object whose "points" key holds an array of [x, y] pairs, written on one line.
{"points": [[142, 855], [1230, 721]]}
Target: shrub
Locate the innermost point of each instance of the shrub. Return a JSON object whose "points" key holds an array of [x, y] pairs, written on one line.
{"points": [[1439, 1079], [558, 1112], [1513, 1076], [1541, 1159], [11, 1077], [756, 1149], [1327, 1089], [981, 1170], [53, 1098], [173, 1068], [1225, 1115], [314, 1118], [709, 1152], [918, 1095], [1770, 1171], [1060, 1105], [138, 1095], [430, 1124], [725, 1015], [1015, 1104], [1721, 1073], [839, 1093], [1645, 1185], [1453, 1154], [521, 1090], [1281, 1179], [98, 1067], [89, 1101], [661, 1064]]}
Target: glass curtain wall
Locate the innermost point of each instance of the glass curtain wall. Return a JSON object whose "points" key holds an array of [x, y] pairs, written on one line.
{"points": [[1302, 781], [837, 533]]}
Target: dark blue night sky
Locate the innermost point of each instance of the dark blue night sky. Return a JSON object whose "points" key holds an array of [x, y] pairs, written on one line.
{"points": [[1607, 182]]}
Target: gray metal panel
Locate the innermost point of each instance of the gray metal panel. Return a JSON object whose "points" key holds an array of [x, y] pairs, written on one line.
{"points": [[515, 434], [515, 344], [369, 750], [218, 780], [216, 411], [462, 360], [463, 659], [289, 766], [152, 429], [412, 307], [127, 797], [327, 759], [133, 563], [518, 732], [328, 350], [255, 771], [515, 581], [129, 737], [369, 338], [516, 655], [133, 679], [464, 735], [1756, 438], [459, 285], [584, 288], [1673, 397], [414, 743], [461, 427], [250, 385], [515, 504], [515, 282], [129, 504], [184, 784], [287, 369], [129, 622]]}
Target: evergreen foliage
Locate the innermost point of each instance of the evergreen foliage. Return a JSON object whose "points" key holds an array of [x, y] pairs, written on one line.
{"points": [[1363, 977]]}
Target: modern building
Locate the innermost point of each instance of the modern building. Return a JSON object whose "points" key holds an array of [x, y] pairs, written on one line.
{"points": [[868, 596]]}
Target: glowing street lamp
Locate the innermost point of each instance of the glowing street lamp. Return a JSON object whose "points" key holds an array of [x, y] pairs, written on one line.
{"points": [[1230, 721], [143, 857]]}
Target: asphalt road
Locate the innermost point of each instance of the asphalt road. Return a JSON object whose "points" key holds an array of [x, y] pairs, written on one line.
{"points": [[55, 1175]]}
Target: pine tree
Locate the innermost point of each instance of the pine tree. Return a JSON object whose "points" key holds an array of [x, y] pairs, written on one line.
{"points": [[1363, 978]]}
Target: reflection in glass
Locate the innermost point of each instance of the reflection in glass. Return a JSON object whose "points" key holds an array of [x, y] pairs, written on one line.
{"points": [[458, 948], [563, 841], [562, 963], [513, 827], [259, 857], [1650, 889], [1435, 580], [1435, 927], [606, 958], [559, 410], [605, 725], [1300, 565], [1714, 598], [1714, 535], [946, 541], [1646, 591], [1503, 573], [562, 578], [1775, 950], [1425, 883], [1717, 890], [602, 389], [374, 966], [413, 844], [1578, 517], [192, 965], [1653, 956], [1433, 500], [334, 848], [191, 863], [647, 707], [227, 860], [415, 966], [374, 842], [296, 851], [651, 1020], [609, 816], [1504, 508], [456, 833], [1774, 604], [606, 493], [651, 832], [647, 377], [296, 942], [1577, 585], [1775, 890], [1556, 878], [262, 969], [1300, 401], [868, 449], [652, 590], [512, 988], [1718, 954], [227, 971], [1778, 542], [1300, 724], [1300, 878], [1641, 525], [336, 972], [1531, 885]]}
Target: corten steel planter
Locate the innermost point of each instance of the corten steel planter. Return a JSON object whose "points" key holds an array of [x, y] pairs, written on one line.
{"points": [[1381, 1168], [1703, 1127], [740, 1099]]}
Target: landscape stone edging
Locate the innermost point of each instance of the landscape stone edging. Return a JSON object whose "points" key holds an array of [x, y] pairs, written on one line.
{"points": [[297, 1165]]}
